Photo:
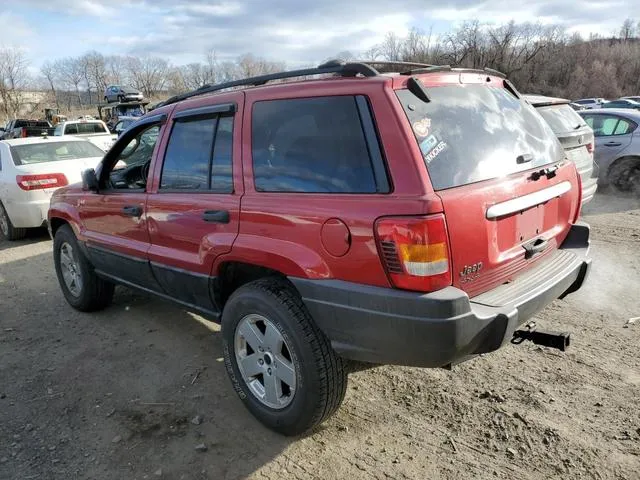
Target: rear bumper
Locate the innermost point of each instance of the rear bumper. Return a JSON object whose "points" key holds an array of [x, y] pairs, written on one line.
{"points": [[28, 214], [388, 326], [589, 188]]}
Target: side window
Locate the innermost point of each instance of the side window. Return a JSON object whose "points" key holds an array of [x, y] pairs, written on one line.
{"points": [[186, 162], [71, 129], [221, 164], [199, 155], [312, 145], [132, 165], [623, 127]]}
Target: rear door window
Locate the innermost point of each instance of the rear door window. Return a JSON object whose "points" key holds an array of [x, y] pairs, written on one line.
{"points": [[471, 133], [316, 145], [561, 118]]}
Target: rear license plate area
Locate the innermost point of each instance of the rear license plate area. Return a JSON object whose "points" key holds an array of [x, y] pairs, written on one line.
{"points": [[529, 223]]}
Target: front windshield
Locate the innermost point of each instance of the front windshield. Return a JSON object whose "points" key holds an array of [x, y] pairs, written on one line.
{"points": [[53, 152]]}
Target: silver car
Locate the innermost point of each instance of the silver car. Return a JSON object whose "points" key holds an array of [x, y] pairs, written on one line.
{"points": [[575, 136], [617, 152], [120, 93]]}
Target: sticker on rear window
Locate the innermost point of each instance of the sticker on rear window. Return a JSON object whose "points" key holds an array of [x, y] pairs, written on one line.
{"points": [[427, 144], [421, 127], [435, 152]]}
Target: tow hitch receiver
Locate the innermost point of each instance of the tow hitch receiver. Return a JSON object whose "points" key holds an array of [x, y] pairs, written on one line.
{"points": [[559, 341]]}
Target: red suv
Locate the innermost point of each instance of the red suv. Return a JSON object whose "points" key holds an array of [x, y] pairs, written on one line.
{"points": [[416, 218]]}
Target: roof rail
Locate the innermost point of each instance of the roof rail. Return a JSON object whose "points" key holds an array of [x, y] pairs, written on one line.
{"points": [[332, 66]]}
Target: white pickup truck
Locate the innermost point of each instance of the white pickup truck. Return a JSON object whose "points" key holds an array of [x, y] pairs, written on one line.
{"points": [[94, 131]]}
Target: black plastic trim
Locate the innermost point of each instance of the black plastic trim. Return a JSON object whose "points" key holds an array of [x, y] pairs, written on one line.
{"points": [[189, 288], [374, 145], [212, 314], [204, 112], [128, 267]]}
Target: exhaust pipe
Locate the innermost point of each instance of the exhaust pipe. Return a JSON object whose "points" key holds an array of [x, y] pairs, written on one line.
{"points": [[559, 341]]}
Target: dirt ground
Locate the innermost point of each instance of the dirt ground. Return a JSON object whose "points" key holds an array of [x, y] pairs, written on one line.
{"points": [[115, 395]]}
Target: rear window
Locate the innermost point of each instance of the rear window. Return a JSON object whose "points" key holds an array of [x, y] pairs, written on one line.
{"points": [[53, 151], [86, 128], [316, 145], [471, 133], [561, 118]]}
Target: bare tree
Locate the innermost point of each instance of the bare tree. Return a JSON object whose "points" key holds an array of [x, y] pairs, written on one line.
{"points": [[148, 74], [391, 48], [628, 30], [50, 73], [14, 79], [72, 74]]}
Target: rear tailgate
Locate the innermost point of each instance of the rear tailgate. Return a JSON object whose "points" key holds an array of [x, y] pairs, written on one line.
{"points": [[509, 197], [495, 233]]}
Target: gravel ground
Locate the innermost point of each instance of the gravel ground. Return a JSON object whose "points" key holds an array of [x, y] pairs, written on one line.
{"points": [[139, 390]]}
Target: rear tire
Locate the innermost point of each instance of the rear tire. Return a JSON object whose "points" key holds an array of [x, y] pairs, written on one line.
{"points": [[7, 230], [120, 98], [80, 285], [317, 373], [624, 174]]}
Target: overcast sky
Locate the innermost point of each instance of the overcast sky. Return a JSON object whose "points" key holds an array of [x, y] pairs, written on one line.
{"points": [[294, 31]]}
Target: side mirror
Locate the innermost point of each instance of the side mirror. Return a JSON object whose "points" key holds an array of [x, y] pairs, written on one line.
{"points": [[89, 180]]}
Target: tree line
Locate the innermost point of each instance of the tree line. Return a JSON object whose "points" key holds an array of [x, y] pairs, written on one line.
{"points": [[537, 58]]}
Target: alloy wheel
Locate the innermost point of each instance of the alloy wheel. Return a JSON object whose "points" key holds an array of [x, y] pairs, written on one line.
{"points": [[265, 361], [70, 269]]}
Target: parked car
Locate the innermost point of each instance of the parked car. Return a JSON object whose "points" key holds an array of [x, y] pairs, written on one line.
{"points": [[30, 170], [575, 136], [123, 123], [22, 128], [577, 106], [121, 93], [370, 218], [622, 103], [635, 99], [591, 103], [94, 131], [617, 146], [110, 114]]}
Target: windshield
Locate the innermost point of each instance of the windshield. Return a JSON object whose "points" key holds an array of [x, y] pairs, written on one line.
{"points": [[471, 133], [130, 111], [561, 118], [53, 152]]}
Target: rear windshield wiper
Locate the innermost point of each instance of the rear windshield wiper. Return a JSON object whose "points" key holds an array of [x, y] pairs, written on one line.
{"points": [[579, 126]]}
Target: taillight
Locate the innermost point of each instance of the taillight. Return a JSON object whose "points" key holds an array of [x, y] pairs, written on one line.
{"points": [[42, 181], [590, 147], [415, 251], [579, 210]]}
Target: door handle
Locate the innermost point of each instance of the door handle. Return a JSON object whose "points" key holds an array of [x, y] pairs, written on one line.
{"points": [[216, 216], [613, 144], [533, 248], [132, 210]]}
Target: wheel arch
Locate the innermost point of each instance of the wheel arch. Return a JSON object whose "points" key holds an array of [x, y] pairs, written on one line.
{"points": [[233, 274]]}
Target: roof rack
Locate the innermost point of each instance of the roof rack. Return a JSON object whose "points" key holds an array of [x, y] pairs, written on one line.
{"points": [[333, 66], [345, 69]]}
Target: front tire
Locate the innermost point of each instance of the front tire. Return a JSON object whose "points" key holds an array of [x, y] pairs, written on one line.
{"points": [[80, 285], [7, 230], [280, 364]]}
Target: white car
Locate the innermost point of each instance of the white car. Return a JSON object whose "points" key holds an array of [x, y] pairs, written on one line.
{"points": [[95, 131], [591, 103], [30, 170]]}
